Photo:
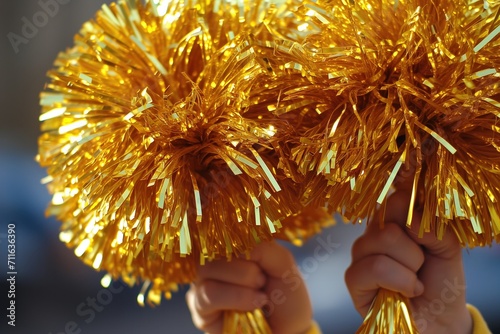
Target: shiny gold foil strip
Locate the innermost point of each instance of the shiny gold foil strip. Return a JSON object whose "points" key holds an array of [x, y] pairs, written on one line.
{"points": [[153, 161], [167, 121]]}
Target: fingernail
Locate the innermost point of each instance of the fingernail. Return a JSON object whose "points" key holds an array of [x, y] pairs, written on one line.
{"points": [[419, 288]]}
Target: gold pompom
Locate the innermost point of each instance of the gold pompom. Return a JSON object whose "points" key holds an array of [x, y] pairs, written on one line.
{"points": [[378, 88], [153, 164], [384, 90]]}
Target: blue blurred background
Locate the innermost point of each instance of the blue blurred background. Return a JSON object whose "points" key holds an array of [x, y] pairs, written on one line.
{"points": [[52, 283]]}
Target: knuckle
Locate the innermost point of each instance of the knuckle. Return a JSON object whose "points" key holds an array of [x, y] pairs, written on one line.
{"points": [[252, 269], [348, 277], [420, 259], [278, 248], [253, 274], [390, 234], [288, 258], [207, 295], [380, 265], [358, 246], [189, 297], [208, 289]]}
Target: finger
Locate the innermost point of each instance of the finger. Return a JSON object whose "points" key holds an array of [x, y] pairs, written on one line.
{"points": [[240, 272], [397, 211], [405, 178], [397, 207], [207, 300], [446, 248], [393, 241], [214, 296], [208, 323], [365, 277], [275, 260], [285, 289]]}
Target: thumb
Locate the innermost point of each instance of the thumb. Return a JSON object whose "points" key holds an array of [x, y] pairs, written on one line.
{"points": [[397, 212], [446, 247]]}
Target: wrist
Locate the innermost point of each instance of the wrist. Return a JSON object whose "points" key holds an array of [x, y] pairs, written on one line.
{"points": [[459, 323]]}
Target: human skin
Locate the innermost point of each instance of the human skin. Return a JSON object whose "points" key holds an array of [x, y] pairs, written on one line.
{"points": [[268, 279], [392, 257], [426, 270]]}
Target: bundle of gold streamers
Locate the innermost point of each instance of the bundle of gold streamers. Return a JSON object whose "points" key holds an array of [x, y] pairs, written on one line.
{"points": [[179, 132], [388, 88], [153, 165]]}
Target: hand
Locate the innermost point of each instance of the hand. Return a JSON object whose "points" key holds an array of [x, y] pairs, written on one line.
{"points": [[426, 270], [269, 280]]}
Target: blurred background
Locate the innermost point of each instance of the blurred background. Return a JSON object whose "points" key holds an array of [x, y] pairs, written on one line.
{"points": [[52, 283]]}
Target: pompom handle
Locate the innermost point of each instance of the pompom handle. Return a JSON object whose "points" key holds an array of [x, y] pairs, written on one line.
{"points": [[253, 322], [389, 313]]}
